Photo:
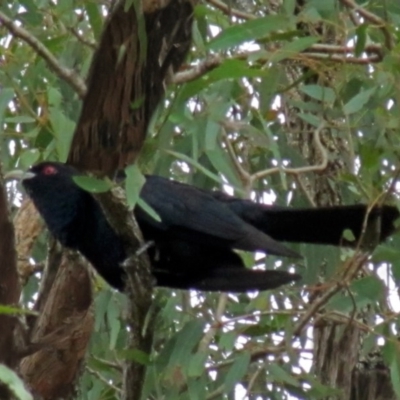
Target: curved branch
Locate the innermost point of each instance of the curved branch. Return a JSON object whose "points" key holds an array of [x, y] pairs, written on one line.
{"points": [[300, 170], [68, 75], [318, 51], [219, 312], [244, 175], [198, 70]]}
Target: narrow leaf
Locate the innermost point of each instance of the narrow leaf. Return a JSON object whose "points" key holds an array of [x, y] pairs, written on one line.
{"points": [[358, 101], [14, 382], [133, 184], [248, 31], [92, 185], [237, 371], [150, 210]]}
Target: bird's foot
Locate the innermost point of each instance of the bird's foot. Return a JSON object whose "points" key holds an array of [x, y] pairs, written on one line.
{"points": [[132, 259], [144, 247]]}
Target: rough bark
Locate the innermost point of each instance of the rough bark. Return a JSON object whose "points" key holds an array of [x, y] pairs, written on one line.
{"points": [[126, 81], [139, 290], [10, 289], [28, 225], [62, 331]]}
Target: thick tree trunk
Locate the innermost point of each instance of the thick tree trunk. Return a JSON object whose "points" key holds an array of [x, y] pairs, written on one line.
{"points": [[62, 331], [10, 288]]}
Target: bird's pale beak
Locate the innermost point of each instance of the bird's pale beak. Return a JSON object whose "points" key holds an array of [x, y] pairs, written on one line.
{"points": [[19, 175]]}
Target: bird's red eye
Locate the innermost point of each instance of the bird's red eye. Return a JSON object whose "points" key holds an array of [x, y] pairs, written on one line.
{"points": [[49, 170]]}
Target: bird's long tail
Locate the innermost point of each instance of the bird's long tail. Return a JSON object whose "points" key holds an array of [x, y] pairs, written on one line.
{"points": [[227, 280], [324, 225]]}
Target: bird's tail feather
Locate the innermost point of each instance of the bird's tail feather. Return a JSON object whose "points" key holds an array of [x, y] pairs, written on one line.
{"points": [[227, 280], [323, 225]]}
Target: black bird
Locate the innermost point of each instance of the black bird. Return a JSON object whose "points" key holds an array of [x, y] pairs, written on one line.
{"points": [[194, 242]]}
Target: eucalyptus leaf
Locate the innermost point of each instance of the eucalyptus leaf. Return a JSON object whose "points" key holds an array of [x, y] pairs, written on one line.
{"points": [[92, 184]]}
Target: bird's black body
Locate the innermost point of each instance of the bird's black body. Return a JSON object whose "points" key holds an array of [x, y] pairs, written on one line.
{"points": [[198, 232]]}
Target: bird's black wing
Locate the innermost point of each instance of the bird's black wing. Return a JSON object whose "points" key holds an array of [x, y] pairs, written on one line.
{"points": [[193, 214]]}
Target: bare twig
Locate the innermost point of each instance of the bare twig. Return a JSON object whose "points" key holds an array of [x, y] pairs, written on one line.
{"points": [[216, 393], [198, 70], [222, 302], [300, 170], [336, 49], [104, 380], [344, 59], [68, 75], [303, 188], [317, 51], [371, 18], [244, 175], [86, 42], [233, 12], [108, 363]]}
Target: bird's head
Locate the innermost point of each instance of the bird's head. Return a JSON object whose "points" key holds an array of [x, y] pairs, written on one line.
{"points": [[46, 178], [52, 189]]}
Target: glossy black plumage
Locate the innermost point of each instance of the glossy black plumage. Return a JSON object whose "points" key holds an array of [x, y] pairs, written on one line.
{"points": [[199, 230]]}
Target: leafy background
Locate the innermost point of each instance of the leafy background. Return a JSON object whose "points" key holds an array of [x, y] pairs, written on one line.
{"points": [[247, 122]]}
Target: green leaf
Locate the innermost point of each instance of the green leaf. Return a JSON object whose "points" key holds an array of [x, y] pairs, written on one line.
{"points": [[289, 6], [310, 119], [281, 375], [54, 97], [364, 291], [197, 389], [195, 164], [358, 101], [8, 310], [114, 323], [185, 341], [369, 287], [320, 93], [20, 119], [133, 184], [95, 18], [229, 69], [234, 69], [7, 95], [63, 129], [248, 31], [29, 157], [150, 210], [384, 253], [197, 364], [227, 341], [135, 355], [293, 48], [361, 39], [237, 371], [14, 382], [395, 368], [348, 235], [92, 184], [222, 163], [101, 305], [141, 28]]}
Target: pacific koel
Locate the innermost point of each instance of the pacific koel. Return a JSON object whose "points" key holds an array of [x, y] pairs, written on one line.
{"points": [[195, 242]]}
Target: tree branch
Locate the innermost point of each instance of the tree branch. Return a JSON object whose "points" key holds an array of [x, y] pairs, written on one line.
{"points": [[68, 75], [300, 170], [371, 18], [233, 12]]}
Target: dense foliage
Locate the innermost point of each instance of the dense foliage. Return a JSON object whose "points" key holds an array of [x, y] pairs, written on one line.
{"points": [[293, 105]]}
